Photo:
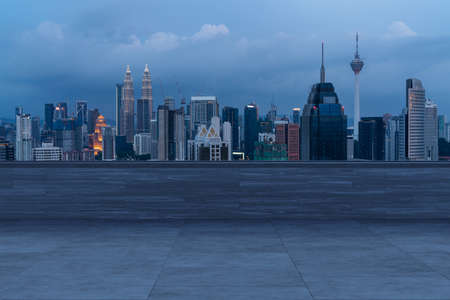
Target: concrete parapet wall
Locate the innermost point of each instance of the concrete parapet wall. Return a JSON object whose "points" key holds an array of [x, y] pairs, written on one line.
{"points": [[188, 190]]}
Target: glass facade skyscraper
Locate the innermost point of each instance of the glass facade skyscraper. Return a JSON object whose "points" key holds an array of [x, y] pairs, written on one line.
{"points": [[251, 129], [231, 115]]}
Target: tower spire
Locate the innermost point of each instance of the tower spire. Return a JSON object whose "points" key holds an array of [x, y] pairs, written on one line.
{"points": [[357, 46], [322, 68]]}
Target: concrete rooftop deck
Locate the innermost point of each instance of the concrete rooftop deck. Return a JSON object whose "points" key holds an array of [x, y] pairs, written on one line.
{"points": [[225, 260]]}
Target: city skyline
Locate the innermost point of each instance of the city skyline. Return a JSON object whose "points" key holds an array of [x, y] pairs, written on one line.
{"points": [[238, 64]]}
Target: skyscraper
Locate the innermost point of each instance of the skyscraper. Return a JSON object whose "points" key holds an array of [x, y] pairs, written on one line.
{"points": [[231, 115], [49, 116], [203, 108], [82, 112], [431, 131], [415, 125], [108, 143], [119, 95], [143, 116], [357, 64], [323, 123], [442, 120], [371, 139], [251, 129], [61, 111], [296, 115], [127, 107], [146, 102], [36, 131], [23, 136], [171, 134]]}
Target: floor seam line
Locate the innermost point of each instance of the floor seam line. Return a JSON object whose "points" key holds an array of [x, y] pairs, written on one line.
{"points": [[403, 251], [291, 259], [165, 261]]}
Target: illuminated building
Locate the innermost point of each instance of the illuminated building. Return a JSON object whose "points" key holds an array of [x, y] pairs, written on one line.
{"points": [[296, 115], [98, 134], [293, 142], [6, 150]]}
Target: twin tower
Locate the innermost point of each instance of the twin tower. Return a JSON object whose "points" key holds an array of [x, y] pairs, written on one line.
{"points": [[125, 122]]}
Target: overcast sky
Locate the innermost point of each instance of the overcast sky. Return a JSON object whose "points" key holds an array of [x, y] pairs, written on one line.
{"points": [[238, 50]]}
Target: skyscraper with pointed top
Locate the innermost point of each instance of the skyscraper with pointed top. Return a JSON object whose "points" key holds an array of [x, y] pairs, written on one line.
{"points": [[128, 107], [145, 104], [357, 64], [323, 123]]}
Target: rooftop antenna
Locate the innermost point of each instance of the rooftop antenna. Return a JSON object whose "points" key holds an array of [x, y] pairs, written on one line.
{"points": [[322, 68]]}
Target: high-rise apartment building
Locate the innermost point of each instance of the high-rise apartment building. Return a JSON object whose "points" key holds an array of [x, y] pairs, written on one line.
{"points": [[431, 138], [23, 150], [127, 107], [415, 125], [251, 129], [82, 112], [231, 115], [323, 123], [143, 144]]}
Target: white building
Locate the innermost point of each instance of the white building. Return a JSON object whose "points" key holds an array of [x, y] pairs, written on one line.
{"points": [[431, 131], [23, 150], [209, 145], [416, 120], [47, 152], [143, 143]]}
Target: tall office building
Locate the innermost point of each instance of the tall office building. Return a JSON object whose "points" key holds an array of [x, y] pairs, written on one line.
{"points": [[393, 138], [357, 64], [82, 112], [61, 111], [293, 142], [49, 116], [36, 132], [296, 115], [108, 143], [145, 104], [127, 107], [281, 132], [23, 136], [251, 130], [231, 115], [371, 139], [442, 120], [92, 120], [203, 108], [119, 94], [431, 131], [171, 134], [272, 114], [323, 123], [143, 116], [415, 125]]}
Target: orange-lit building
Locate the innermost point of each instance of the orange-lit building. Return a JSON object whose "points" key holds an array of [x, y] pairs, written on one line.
{"points": [[98, 134]]}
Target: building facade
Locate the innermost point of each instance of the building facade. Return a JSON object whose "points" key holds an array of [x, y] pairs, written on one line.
{"points": [[202, 109], [23, 149], [415, 126], [371, 141], [251, 130], [431, 133], [231, 115], [127, 107], [47, 152]]}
